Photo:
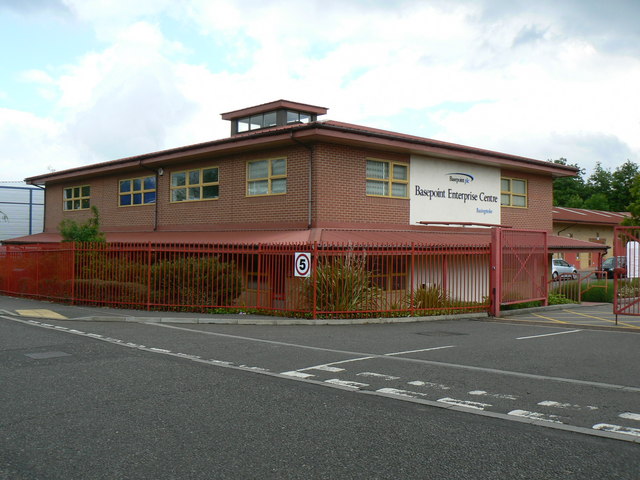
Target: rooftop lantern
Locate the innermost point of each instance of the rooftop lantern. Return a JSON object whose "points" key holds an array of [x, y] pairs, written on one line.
{"points": [[273, 114]]}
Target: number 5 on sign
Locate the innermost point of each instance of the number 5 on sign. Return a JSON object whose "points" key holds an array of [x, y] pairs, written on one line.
{"points": [[302, 264]]}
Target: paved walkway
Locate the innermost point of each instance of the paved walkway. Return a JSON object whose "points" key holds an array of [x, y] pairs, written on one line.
{"points": [[584, 316]]}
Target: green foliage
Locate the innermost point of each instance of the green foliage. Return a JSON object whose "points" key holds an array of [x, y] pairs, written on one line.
{"points": [[634, 204], [597, 292], [558, 299], [432, 296], [89, 231], [597, 201], [568, 191], [343, 284], [197, 281]]}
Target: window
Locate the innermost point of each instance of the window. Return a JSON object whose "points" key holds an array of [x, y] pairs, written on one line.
{"points": [[267, 177], [513, 192], [295, 117], [137, 191], [254, 122], [77, 198], [194, 185], [387, 179], [388, 272]]}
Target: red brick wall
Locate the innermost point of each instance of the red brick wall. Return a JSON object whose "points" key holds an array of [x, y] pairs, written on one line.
{"points": [[231, 208], [537, 215], [340, 188]]}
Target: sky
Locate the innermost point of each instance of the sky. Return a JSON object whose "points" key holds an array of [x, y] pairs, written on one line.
{"points": [[87, 81]]}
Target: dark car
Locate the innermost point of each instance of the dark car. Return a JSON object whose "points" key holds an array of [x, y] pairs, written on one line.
{"points": [[614, 265]]}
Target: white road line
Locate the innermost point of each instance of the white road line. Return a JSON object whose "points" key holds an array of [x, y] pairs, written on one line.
{"points": [[346, 383], [630, 416], [326, 368], [547, 334], [617, 429], [377, 375], [464, 403], [503, 396], [420, 383], [367, 356], [294, 373], [551, 403], [401, 393], [535, 416], [415, 351]]}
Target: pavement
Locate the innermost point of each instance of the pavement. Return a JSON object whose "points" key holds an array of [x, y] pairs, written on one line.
{"points": [[586, 315]]}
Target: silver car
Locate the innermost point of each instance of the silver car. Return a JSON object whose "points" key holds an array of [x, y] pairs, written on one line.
{"points": [[562, 269]]}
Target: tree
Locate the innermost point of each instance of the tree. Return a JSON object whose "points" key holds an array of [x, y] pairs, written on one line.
{"points": [[597, 201], [634, 205], [568, 191], [621, 181], [599, 181], [88, 231]]}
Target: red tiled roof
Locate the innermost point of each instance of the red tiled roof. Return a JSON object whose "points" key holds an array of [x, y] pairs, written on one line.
{"points": [[454, 237], [579, 215]]}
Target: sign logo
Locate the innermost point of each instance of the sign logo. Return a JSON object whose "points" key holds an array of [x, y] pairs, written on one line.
{"points": [[302, 265], [458, 177]]}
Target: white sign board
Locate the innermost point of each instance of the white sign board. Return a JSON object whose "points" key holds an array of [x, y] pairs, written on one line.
{"points": [[302, 266], [450, 191], [633, 260]]}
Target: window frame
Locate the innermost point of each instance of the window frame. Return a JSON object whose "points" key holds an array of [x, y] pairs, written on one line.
{"points": [[511, 193], [269, 178], [201, 184], [389, 273], [73, 198], [390, 181], [141, 191]]}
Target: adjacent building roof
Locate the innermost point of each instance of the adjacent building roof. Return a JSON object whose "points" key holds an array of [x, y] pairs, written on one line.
{"points": [[579, 215]]}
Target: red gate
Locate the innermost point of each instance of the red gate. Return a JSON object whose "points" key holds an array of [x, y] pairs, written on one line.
{"points": [[626, 271], [519, 267]]}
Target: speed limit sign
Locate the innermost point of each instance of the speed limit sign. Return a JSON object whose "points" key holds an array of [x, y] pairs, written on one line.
{"points": [[302, 264]]}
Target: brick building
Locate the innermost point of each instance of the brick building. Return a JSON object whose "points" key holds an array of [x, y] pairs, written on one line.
{"points": [[285, 176]]}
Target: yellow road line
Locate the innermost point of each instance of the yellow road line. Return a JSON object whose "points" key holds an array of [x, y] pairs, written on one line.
{"points": [[41, 313], [548, 318], [604, 319]]}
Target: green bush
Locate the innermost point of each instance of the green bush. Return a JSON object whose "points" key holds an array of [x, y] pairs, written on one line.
{"points": [[112, 292], [343, 284], [432, 296], [558, 299], [198, 281], [597, 292]]}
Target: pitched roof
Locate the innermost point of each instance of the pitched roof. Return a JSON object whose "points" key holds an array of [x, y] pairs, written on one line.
{"points": [[580, 215]]}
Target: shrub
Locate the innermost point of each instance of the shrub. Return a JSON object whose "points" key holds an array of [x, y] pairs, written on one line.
{"points": [[198, 281], [558, 299], [88, 231], [343, 284], [432, 296]]}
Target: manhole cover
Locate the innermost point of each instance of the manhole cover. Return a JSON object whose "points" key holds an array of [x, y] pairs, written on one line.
{"points": [[43, 355]]}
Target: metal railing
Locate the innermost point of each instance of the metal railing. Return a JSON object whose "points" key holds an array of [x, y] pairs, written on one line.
{"points": [[345, 280]]}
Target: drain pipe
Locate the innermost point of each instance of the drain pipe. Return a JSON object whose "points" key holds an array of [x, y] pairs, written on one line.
{"points": [[310, 199], [157, 171]]}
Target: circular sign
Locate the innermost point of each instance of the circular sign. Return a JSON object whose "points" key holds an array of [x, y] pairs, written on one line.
{"points": [[302, 264]]}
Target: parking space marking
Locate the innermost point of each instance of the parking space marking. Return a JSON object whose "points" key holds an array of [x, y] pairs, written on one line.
{"points": [[535, 416], [548, 334], [416, 351], [401, 393], [607, 427], [346, 383], [630, 416], [41, 313], [551, 403], [464, 403], [603, 319]]}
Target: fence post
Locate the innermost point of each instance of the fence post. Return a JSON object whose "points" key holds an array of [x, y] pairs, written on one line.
{"points": [[148, 276], [413, 261], [495, 274], [314, 270], [73, 273]]}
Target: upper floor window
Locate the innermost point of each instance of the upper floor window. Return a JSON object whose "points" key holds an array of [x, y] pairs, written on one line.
{"points": [[294, 117], [193, 185], [254, 122], [513, 192], [77, 198], [267, 177], [387, 179], [137, 191]]}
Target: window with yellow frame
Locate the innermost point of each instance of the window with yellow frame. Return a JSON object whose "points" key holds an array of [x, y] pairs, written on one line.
{"points": [[513, 192], [195, 185], [77, 198], [137, 191], [387, 179], [267, 177]]}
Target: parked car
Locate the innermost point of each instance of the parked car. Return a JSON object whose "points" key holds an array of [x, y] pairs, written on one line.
{"points": [[562, 269], [614, 265]]}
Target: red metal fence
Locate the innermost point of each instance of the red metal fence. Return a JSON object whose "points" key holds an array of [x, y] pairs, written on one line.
{"points": [[626, 271], [345, 280]]}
